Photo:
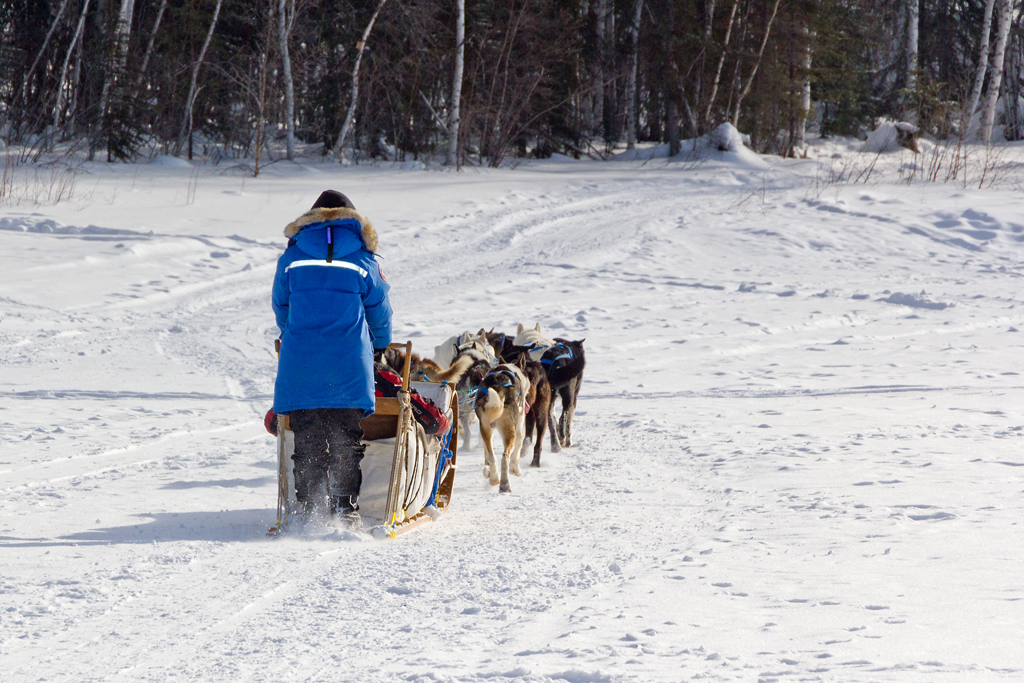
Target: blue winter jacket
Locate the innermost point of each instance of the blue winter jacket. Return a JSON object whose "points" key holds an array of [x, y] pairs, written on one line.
{"points": [[331, 303]]}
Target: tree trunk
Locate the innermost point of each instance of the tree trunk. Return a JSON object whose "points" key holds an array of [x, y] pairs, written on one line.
{"points": [[118, 58], [452, 152], [996, 80], [1012, 90], [721, 62], [186, 125], [350, 115], [979, 72], [46, 41], [586, 71], [64, 69], [634, 58], [672, 123], [709, 24], [734, 89], [753, 72], [94, 115], [692, 118], [610, 113], [261, 128], [805, 90], [913, 21], [286, 66], [602, 75], [76, 79], [149, 46]]}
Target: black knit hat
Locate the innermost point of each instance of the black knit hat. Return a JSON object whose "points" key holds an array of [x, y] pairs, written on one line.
{"points": [[332, 199]]}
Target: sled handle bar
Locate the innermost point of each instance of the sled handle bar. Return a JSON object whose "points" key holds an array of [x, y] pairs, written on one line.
{"points": [[407, 347]]}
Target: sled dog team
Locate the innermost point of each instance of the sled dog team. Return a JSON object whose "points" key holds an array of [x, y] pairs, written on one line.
{"points": [[508, 383]]}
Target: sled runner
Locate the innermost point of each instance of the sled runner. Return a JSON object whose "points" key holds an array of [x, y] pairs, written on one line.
{"points": [[408, 473]]}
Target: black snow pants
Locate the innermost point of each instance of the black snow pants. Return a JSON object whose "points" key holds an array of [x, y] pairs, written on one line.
{"points": [[327, 454]]}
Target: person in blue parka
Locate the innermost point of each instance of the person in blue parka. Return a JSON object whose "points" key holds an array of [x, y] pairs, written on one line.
{"points": [[330, 299]]}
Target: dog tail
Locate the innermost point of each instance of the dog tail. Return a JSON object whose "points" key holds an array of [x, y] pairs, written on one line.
{"points": [[486, 399], [451, 375]]}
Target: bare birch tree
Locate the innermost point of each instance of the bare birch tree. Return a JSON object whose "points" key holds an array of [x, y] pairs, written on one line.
{"points": [[149, 46], [721, 62], [64, 69], [261, 128], [451, 154], [634, 34], [350, 115], [601, 77], [913, 27], [996, 79], [609, 112], [709, 25], [119, 54], [757, 63], [979, 72], [46, 41], [283, 31], [186, 123], [805, 90]]}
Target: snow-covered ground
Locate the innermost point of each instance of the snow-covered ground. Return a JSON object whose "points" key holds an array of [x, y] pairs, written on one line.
{"points": [[798, 458]]}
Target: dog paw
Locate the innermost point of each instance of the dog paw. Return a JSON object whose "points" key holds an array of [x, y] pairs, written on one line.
{"points": [[515, 471], [535, 463], [487, 472], [505, 488]]}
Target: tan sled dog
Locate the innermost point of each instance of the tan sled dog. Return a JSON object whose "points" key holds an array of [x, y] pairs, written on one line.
{"points": [[534, 341], [501, 402], [448, 350]]}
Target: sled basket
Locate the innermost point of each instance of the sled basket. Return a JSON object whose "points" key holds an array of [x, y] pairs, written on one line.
{"points": [[408, 475]]}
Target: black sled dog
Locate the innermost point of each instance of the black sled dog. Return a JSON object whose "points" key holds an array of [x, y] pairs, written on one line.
{"points": [[538, 407], [564, 362]]}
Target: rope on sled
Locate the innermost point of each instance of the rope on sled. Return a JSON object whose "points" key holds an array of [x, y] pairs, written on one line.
{"points": [[397, 461]]}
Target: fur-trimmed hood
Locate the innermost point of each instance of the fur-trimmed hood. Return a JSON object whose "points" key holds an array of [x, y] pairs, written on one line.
{"points": [[321, 215]]}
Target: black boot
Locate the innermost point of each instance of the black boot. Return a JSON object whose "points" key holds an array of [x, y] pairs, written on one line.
{"points": [[341, 505], [345, 509]]}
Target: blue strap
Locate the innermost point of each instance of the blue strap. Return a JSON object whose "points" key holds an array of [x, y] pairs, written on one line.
{"points": [[566, 355]]}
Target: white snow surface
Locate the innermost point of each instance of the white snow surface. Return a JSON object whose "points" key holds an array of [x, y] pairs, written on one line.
{"points": [[798, 446]]}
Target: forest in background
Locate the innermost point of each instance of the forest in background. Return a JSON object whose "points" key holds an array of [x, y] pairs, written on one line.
{"points": [[487, 81]]}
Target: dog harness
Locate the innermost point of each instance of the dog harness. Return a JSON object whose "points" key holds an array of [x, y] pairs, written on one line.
{"points": [[562, 352], [474, 345]]}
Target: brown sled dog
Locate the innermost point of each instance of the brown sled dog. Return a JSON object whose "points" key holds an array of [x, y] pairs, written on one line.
{"points": [[538, 405], [501, 402]]}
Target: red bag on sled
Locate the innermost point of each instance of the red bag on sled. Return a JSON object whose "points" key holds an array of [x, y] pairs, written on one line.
{"points": [[387, 384]]}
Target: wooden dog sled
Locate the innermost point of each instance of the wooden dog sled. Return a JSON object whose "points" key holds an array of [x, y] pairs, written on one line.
{"points": [[408, 475]]}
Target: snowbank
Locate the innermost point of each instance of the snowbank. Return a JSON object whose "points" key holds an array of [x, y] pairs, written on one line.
{"points": [[724, 143], [48, 225], [170, 162], [890, 136]]}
